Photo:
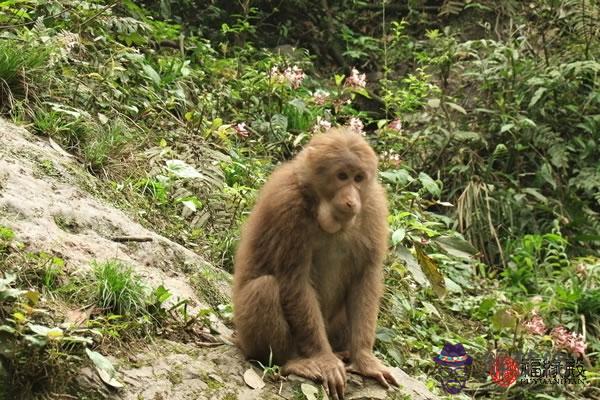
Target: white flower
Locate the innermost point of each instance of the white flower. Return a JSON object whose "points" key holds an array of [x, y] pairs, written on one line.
{"points": [[321, 125], [356, 79], [320, 96], [356, 125], [293, 75], [396, 125], [241, 129]]}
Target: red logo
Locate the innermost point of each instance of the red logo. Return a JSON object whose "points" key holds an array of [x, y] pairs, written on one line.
{"points": [[504, 371]]}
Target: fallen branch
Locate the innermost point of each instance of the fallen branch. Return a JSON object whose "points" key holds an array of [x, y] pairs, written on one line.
{"points": [[122, 239]]}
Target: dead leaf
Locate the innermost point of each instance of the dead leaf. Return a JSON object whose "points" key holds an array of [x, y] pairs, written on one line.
{"points": [[105, 369], [431, 271], [253, 380], [59, 149], [78, 317], [310, 392]]}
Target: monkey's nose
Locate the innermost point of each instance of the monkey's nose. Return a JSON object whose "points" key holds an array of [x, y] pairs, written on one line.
{"points": [[350, 204]]}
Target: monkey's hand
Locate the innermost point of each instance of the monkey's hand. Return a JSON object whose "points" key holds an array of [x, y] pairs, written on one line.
{"points": [[333, 373], [368, 365]]}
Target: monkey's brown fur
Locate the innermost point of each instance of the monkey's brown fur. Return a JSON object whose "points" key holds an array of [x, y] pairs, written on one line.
{"points": [[308, 270]]}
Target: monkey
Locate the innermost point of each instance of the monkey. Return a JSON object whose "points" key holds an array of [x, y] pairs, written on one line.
{"points": [[308, 271]]}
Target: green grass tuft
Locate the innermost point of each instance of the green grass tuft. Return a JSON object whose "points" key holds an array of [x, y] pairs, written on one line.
{"points": [[119, 289]]}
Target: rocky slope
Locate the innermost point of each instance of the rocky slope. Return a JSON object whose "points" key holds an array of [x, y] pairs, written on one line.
{"points": [[52, 204]]}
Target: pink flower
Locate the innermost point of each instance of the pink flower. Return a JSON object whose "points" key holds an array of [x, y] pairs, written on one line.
{"points": [[570, 341], [356, 125], [241, 129], [321, 125], [396, 125], [320, 96], [356, 79], [294, 76], [535, 325]]}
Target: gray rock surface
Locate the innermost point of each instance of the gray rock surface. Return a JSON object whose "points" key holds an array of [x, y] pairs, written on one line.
{"points": [[47, 199]]}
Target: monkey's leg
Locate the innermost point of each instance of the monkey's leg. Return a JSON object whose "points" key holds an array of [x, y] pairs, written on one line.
{"points": [[338, 333], [262, 328]]}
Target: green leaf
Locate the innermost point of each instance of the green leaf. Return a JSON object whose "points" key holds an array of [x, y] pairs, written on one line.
{"points": [[399, 177], [546, 174], [467, 135], [181, 169], [487, 305], [430, 308], [452, 286], [105, 369], [162, 294], [386, 335], [362, 91], [398, 236], [433, 103], [504, 318], [535, 193], [429, 184], [309, 391], [152, 74], [456, 246], [412, 265], [299, 105], [537, 96], [279, 123], [456, 107], [39, 329], [7, 329], [507, 127]]}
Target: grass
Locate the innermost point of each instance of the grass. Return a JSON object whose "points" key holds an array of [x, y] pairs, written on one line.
{"points": [[15, 60], [118, 289]]}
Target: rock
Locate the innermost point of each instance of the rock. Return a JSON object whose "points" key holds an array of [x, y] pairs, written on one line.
{"points": [[42, 198]]}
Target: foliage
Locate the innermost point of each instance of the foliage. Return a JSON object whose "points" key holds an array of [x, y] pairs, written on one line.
{"points": [[485, 115], [118, 289]]}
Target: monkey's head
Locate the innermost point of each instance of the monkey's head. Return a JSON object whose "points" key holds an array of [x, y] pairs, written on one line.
{"points": [[339, 166]]}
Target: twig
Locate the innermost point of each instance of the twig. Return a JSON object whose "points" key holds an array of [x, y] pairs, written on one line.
{"points": [[131, 239], [102, 11], [209, 344]]}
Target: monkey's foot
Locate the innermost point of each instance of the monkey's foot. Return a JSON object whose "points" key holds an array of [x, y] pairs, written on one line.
{"points": [[304, 367], [371, 367]]}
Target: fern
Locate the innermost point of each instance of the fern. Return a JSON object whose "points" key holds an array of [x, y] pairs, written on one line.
{"points": [[451, 7]]}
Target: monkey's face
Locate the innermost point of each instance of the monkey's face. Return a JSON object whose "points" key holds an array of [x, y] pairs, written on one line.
{"points": [[342, 201], [340, 167]]}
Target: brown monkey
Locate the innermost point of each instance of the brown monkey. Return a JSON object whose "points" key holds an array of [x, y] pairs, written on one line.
{"points": [[308, 271]]}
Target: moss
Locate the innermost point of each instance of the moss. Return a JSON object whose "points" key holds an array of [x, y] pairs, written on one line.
{"points": [[47, 167], [212, 383], [67, 223], [175, 375]]}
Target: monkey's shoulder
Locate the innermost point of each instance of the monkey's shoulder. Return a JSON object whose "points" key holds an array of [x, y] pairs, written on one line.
{"points": [[283, 194]]}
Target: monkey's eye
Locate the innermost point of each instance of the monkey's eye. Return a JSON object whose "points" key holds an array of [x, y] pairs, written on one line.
{"points": [[342, 176], [359, 178]]}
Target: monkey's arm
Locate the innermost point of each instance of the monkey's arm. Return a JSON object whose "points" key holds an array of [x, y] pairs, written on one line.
{"points": [[303, 313], [363, 307]]}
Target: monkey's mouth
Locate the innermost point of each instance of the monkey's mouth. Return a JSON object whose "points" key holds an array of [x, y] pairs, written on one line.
{"points": [[344, 219]]}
